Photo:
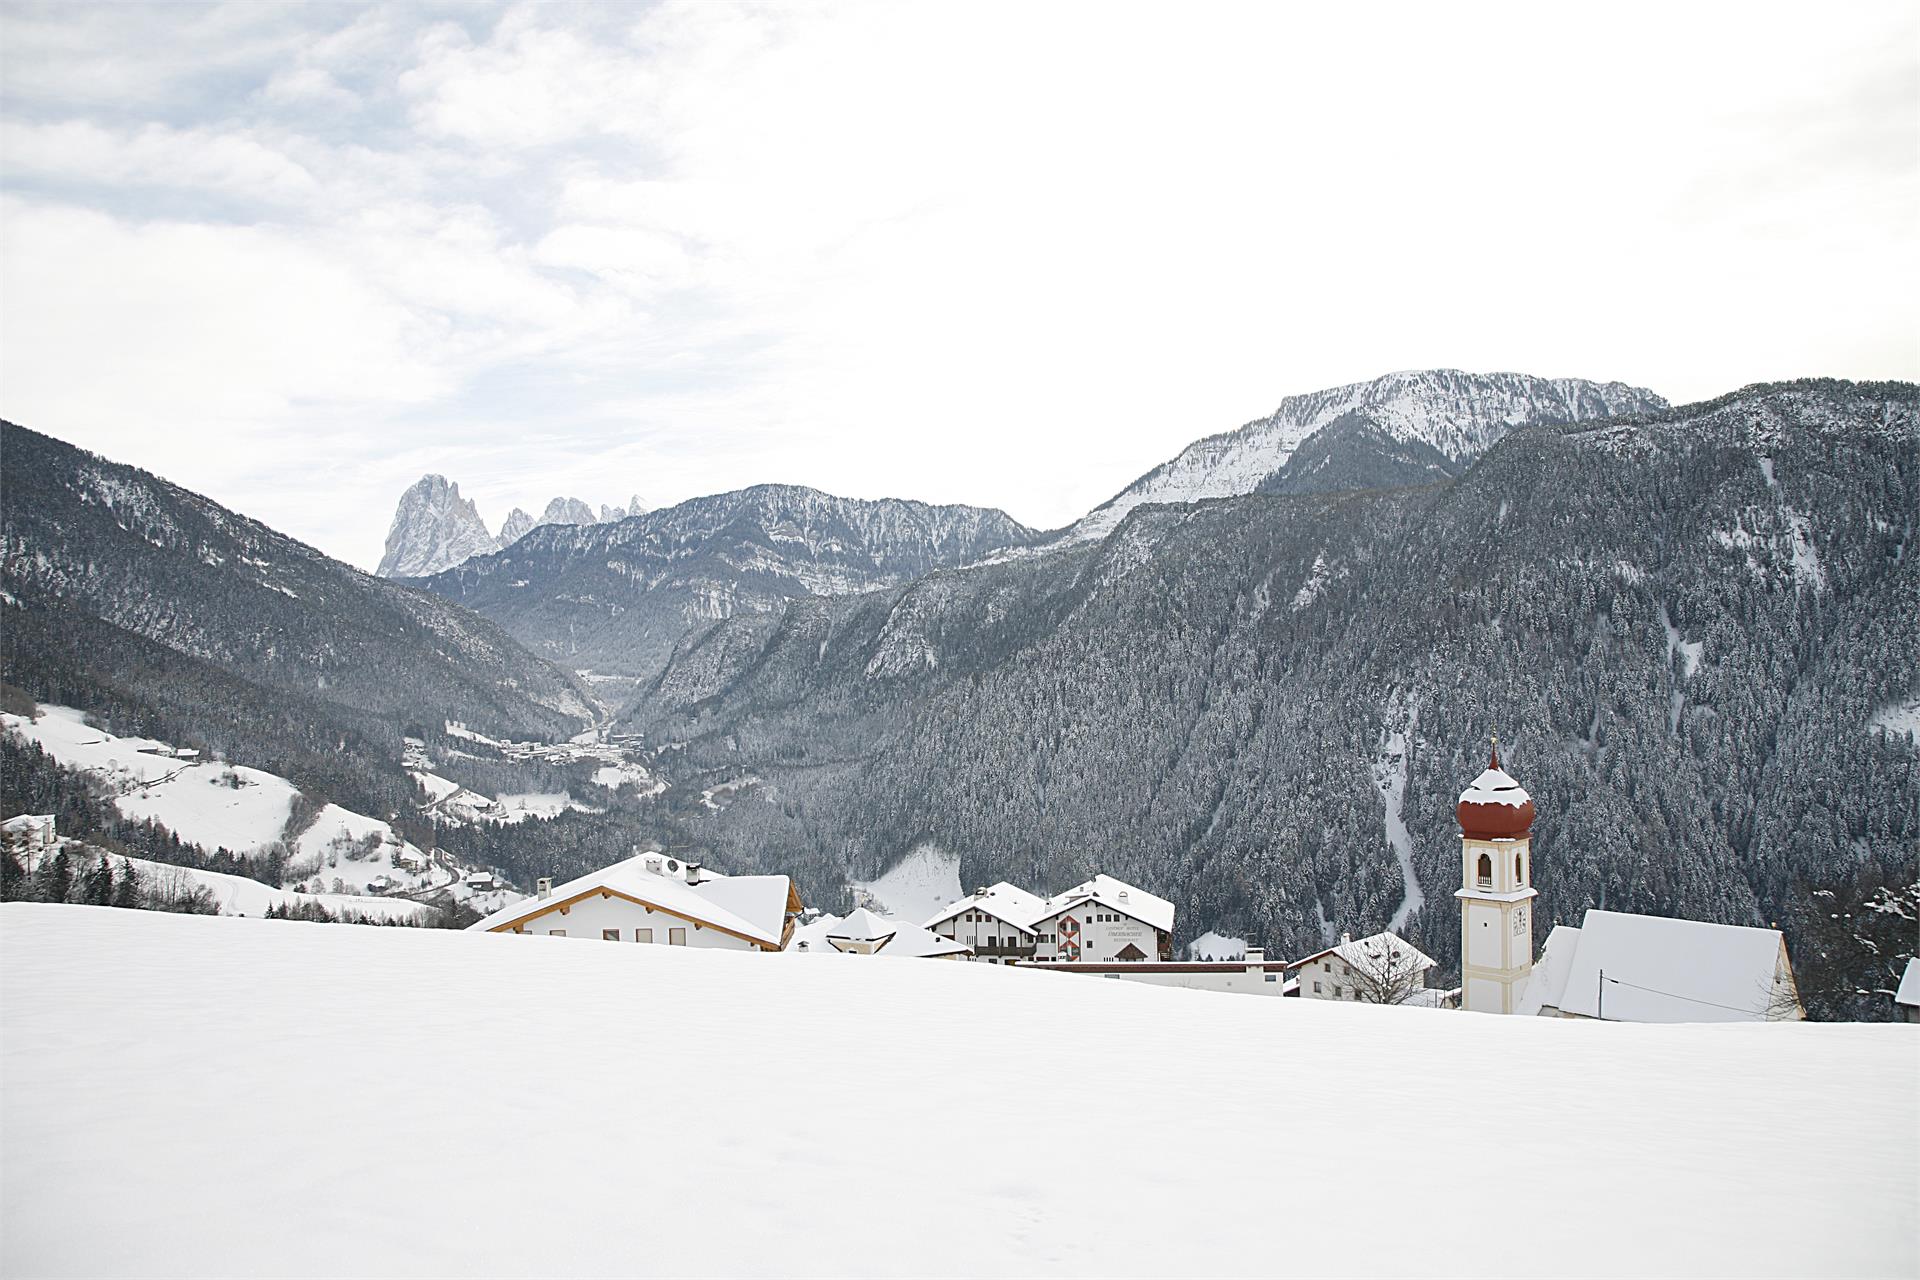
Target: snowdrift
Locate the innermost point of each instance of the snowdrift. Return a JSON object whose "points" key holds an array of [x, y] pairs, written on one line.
{"points": [[211, 1096]]}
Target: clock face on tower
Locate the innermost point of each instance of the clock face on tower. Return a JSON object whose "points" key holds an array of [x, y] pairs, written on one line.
{"points": [[1519, 922]]}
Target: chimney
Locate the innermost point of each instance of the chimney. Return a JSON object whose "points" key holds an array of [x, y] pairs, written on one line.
{"points": [[544, 886], [653, 863], [1256, 956], [1345, 938], [980, 892], [1123, 895], [694, 874]]}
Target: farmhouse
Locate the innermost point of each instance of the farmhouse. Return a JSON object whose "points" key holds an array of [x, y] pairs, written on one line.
{"points": [[1382, 969], [32, 833], [1099, 921], [657, 899], [996, 922]]}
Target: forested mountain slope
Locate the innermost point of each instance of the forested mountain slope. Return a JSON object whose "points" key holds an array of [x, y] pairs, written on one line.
{"points": [[130, 597], [1687, 629], [617, 597]]}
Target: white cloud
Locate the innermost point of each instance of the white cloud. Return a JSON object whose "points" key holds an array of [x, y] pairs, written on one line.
{"points": [[993, 253]]}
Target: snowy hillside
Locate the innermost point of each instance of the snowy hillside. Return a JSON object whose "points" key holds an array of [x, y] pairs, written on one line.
{"points": [[340, 859], [1456, 414], [133, 1146], [203, 802]]}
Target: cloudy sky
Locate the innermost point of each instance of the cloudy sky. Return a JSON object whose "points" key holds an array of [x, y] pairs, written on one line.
{"points": [[1012, 254]]}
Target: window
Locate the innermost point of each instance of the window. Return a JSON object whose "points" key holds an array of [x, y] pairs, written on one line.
{"points": [[1316, 988], [1516, 869], [556, 933], [1484, 872], [1273, 977], [609, 935], [643, 935], [676, 937]]}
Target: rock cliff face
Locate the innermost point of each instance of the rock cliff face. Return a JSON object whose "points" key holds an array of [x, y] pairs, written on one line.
{"points": [[617, 597], [433, 529], [1449, 416]]}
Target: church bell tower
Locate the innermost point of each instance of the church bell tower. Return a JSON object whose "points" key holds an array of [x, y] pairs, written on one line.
{"points": [[1496, 890]]}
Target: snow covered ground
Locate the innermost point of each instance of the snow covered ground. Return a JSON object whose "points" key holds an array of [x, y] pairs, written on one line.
{"points": [[139, 1140], [1218, 946], [239, 896], [919, 886], [213, 805]]}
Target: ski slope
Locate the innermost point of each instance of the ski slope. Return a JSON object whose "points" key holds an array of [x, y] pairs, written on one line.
{"points": [[173, 1107]]}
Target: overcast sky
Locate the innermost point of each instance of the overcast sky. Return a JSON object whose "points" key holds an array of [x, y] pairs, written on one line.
{"points": [[294, 257]]}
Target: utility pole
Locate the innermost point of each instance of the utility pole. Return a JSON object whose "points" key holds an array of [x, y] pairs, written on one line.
{"points": [[1600, 997]]}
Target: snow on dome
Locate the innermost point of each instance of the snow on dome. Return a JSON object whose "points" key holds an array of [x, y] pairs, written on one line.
{"points": [[1494, 806], [1495, 786]]}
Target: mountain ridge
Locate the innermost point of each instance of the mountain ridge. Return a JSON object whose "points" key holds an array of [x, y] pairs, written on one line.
{"points": [[1455, 413]]}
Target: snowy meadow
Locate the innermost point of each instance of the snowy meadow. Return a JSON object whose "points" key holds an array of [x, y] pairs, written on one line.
{"points": [[224, 1097]]}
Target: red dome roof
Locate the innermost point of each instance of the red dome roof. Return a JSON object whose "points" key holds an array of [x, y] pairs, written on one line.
{"points": [[1495, 807]]}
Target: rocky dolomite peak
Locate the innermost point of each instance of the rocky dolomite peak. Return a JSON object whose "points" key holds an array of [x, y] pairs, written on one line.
{"points": [[434, 528], [516, 526], [568, 511]]}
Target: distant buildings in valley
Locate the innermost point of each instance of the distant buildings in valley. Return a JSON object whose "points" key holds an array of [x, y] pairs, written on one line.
{"points": [[1616, 966]]}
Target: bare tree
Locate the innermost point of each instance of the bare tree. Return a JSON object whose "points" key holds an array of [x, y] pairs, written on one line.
{"points": [[1385, 969]]}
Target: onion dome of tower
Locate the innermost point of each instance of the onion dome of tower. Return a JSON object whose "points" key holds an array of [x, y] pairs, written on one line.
{"points": [[1495, 807]]}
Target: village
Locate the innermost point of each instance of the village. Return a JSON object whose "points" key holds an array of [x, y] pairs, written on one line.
{"points": [[1612, 966]]}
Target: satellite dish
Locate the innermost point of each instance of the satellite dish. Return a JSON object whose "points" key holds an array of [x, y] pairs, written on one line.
{"points": [[672, 865]]}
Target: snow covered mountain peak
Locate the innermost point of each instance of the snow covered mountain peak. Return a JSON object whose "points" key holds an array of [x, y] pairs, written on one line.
{"points": [[1457, 414], [434, 528]]}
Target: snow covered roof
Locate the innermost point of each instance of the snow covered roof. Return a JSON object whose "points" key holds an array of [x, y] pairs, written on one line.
{"points": [[1547, 985], [862, 925], [1024, 910], [1909, 992], [910, 941], [28, 822], [1495, 786], [1659, 969], [1383, 954], [1116, 895], [897, 938], [1002, 901], [751, 907]]}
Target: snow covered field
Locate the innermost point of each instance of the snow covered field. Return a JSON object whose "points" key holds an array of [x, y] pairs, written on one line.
{"points": [[239, 896], [213, 805], [919, 886], [660, 1110]]}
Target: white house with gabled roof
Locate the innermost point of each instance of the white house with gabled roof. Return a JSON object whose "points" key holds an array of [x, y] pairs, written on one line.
{"points": [[1382, 969], [651, 898], [995, 922], [1104, 920], [1099, 921]]}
